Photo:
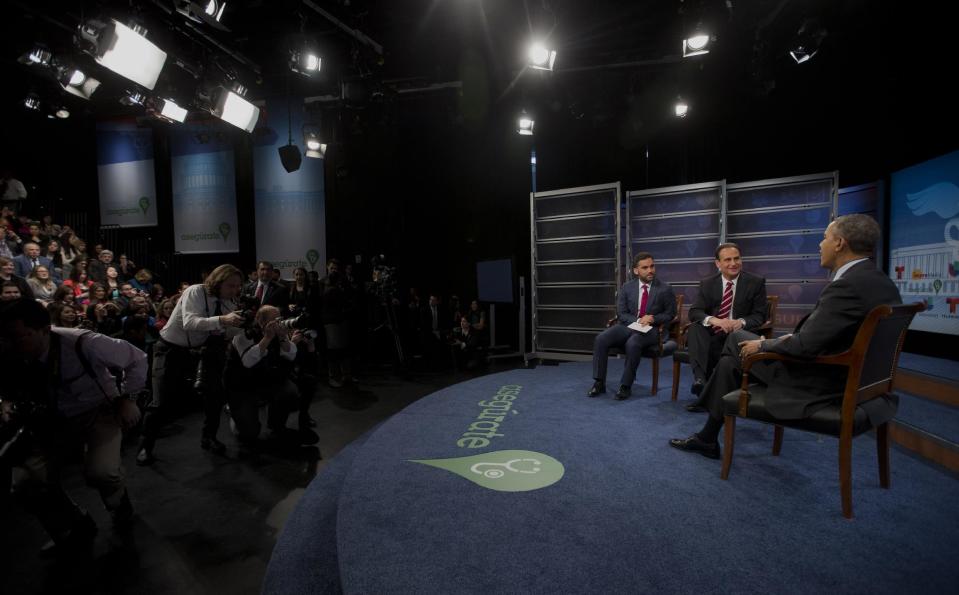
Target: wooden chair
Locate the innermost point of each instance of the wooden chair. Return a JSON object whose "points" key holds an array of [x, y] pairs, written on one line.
{"points": [[871, 365], [681, 355], [668, 341]]}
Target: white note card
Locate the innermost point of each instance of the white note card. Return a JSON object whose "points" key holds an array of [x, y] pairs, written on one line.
{"points": [[643, 328]]}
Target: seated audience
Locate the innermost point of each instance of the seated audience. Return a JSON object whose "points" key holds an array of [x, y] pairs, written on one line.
{"points": [[41, 284], [142, 280], [63, 315], [30, 259], [467, 346], [112, 283], [49, 228], [97, 268], [7, 268], [79, 284], [156, 294], [163, 313], [64, 295], [11, 291], [126, 268], [52, 252]]}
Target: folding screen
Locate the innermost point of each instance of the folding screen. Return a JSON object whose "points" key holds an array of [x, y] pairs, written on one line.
{"points": [[778, 225], [680, 226], [575, 264]]}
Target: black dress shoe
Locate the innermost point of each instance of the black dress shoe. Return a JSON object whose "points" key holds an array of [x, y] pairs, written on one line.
{"points": [[623, 393], [696, 407], [599, 387], [213, 445], [697, 387], [709, 450]]}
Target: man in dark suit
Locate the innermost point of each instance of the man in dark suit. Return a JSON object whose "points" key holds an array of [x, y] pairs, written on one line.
{"points": [[30, 259], [644, 300], [728, 301], [857, 287], [265, 290]]}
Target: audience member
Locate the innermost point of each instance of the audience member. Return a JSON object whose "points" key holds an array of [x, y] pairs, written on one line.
{"points": [[53, 254], [49, 228], [467, 346], [142, 280], [30, 259], [266, 291], [10, 242], [79, 284], [126, 268], [97, 269], [163, 313], [41, 284], [336, 330], [63, 315], [11, 291], [300, 292], [7, 274]]}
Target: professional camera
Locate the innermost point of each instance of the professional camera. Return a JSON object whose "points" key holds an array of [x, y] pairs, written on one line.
{"points": [[26, 419], [247, 306], [383, 284]]}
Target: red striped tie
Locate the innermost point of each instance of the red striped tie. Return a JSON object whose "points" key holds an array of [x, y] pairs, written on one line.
{"points": [[727, 304]]}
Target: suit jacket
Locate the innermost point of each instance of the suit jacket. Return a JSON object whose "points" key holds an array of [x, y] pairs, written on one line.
{"points": [[661, 302], [24, 265], [802, 389], [749, 303], [274, 294]]}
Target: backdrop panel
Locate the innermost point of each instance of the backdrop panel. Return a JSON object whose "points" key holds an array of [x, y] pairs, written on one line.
{"points": [[125, 174], [924, 241], [290, 207], [204, 190]]}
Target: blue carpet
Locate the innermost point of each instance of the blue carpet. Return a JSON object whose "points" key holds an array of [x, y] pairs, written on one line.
{"points": [[933, 366], [629, 515]]}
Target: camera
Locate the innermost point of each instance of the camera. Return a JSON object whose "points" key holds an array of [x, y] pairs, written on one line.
{"points": [[26, 418], [247, 306]]}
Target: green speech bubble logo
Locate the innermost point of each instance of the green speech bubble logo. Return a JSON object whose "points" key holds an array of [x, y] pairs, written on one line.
{"points": [[144, 204], [937, 285], [225, 230], [312, 256], [504, 470]]}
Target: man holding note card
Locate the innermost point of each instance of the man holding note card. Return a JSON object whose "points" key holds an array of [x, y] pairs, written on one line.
{"points": [[643, 304]]}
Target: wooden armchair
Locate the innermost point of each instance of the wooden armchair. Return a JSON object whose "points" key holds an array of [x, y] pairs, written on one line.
{"points": [[681, 355], [871, 364], [668, 341]]}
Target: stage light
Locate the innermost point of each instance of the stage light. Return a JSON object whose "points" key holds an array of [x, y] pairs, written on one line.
{"points": [[169, 110], [231, 107], [681, 108], [124, 50], [801, 54], [39, 55], [541, 57], [76, 82], [133, 98], [215, 9], [290, 157], [62, 112], [315, 147], [807, 42], [32, 102], [526, 124], [696, 44], [305, 61], [209, 13]]}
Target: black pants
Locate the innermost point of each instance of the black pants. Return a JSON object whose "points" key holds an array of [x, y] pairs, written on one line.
{"points": [[728, 374], [704, 349], [633, 342]]}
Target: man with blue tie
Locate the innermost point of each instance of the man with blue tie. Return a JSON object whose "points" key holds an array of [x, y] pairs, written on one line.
{"points": [[642, 302], [31, 259]]}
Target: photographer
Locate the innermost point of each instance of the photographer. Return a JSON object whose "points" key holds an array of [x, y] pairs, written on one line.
{"points": [[260, 364], [202, 317], [60, 394]]}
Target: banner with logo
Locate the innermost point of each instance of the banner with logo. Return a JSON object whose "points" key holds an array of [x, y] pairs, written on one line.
{"points": [[125, 174], [290, 207], [204, 190]]}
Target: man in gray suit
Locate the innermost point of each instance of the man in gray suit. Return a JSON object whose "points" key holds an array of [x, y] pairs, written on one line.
{"points": [[645, 300], [857, 287]]}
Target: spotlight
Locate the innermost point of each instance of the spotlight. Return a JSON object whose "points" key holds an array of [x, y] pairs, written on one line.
{"points": [[541, 58], [124, 50], [696, 44], [525, 124], [215, 9], [807, 42], [305, 61], [133, 98], [61, 112], [32, 102], [39, 55], [203, 12], [315, 148], [168, 110], [76, 82], [230, 106], [681, 108]]}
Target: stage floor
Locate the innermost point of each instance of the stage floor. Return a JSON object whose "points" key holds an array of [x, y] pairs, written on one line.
{"points": [[597, 501]]}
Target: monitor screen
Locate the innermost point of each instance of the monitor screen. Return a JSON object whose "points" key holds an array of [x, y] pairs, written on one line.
{"points": [[494, 281]]}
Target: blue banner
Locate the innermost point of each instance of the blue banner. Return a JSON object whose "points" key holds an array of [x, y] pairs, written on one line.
{"points": [[924, 241], [204, 190], [290, 207], [125, 174]]}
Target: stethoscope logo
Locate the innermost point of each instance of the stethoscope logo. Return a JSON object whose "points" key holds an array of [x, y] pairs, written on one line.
{"points": [[503, 467]]}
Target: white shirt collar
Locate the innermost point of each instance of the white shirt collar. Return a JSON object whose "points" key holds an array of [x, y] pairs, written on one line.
{"points": [[842, 270]]}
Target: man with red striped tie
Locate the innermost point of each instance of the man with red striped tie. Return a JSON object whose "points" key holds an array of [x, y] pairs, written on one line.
{"points": [[644, 300], [728, 301]]}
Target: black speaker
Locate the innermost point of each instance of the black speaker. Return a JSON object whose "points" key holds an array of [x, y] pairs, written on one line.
{"points": [[290, 157]]}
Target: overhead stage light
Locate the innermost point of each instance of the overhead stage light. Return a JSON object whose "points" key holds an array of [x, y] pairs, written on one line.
{"points": [[230, 106], [807, 42], [681, 108], [124, 50], [526, 124], [133, 98], [61, 112], [39, 55], [315, 147], [696, 44], [203, 12], [215, 9], [76, 82], [305, 60], [541, 57], [32, 102], [169, 110]]}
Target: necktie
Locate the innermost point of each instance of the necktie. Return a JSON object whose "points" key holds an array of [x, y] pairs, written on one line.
{"points": [[36, 263], [727, 304], [259, 293], [643, 301], [435, 321]]}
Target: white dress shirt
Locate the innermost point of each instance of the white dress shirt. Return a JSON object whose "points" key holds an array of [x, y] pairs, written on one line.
{"points": [[731, 307], [193, 318], [846, 267], [251, 355]]}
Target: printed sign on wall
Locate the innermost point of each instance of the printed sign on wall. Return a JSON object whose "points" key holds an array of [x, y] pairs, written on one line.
{"points": [[125, 174]]}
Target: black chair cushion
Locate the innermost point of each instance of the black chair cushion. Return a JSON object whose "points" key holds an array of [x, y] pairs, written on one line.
{"points": [[681, 356], [824, 421]]}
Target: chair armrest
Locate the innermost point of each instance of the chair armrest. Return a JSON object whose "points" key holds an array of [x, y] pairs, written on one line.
{"points": [[765, 330], [839, 359], [611, 322]]}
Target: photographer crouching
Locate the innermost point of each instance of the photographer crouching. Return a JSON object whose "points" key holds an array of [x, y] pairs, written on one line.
{"points": [[204, 318], [260, 366], [60, 394]]}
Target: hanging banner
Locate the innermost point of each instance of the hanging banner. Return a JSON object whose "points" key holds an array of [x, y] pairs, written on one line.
{"points": [[290, 207], [204, 190], [125, 174]]}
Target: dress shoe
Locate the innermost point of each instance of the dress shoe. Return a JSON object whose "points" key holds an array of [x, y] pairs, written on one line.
{"points": [[696, 407], [213, 445], [710, 450], [697, 386], [623, 393], [599, 387], [145, 457]]}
